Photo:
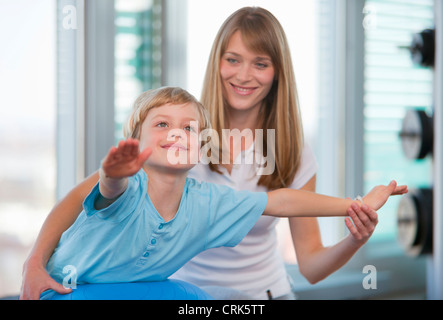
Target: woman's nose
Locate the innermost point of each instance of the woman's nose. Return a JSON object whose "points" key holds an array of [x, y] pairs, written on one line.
{"points": [[244, 73]]}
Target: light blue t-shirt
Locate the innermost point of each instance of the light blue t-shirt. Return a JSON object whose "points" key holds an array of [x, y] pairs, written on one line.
{"points": [[129, 241]]}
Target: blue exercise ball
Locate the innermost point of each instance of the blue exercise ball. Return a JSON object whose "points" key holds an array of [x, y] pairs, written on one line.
{"points": [[161, 290]]}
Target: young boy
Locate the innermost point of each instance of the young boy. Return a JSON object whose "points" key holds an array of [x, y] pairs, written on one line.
{"points": [[145, 219]]}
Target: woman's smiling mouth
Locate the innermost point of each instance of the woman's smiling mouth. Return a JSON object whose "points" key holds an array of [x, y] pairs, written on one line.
{"points": [[244, 91]]}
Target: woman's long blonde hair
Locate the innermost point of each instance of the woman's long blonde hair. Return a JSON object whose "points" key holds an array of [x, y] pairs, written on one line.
{"points": [[262, 33]]}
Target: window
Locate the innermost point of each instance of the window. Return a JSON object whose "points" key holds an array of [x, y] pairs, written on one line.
{"points": [[392, 85], [373, 77], [27, 131], [138, 54]]}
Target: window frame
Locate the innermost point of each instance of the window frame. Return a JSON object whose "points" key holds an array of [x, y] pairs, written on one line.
{"points": [[99, 81], [174, 46], [435, 280], [70, 99], [85, 122]]}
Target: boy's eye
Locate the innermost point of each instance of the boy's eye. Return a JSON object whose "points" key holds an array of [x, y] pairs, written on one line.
{"points": [[189, 128], [162, 124]]}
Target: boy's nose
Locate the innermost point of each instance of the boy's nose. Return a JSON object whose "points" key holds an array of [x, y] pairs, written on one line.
{"points": [[175, 134]]}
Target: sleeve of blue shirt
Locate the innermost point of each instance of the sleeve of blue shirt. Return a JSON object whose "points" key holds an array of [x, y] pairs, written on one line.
{"points": [[232, 214], [126, 204]]}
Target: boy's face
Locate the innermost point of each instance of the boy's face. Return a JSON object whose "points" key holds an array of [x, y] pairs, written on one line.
{"points": [[171, 131]]}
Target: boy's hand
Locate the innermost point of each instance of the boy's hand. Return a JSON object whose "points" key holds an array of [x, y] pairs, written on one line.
{"points": [[125, 160], [378, 196], [37, 280]]}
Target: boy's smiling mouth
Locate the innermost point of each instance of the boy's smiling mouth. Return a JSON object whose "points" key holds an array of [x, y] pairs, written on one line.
{"points": [[174, 146]]}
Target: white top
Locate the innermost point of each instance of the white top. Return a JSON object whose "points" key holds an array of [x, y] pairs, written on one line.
{"points": [[255, 265]]}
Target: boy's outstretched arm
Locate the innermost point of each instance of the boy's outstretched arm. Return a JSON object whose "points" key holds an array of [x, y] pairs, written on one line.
{"points": [[299, 203], [121, 162]]}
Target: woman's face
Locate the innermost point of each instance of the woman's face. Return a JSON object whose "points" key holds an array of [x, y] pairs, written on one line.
{"points": [[247, 77]]}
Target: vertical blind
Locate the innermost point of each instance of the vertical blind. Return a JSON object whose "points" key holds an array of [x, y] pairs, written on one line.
{"points": [[137, 54], [392, 85]]}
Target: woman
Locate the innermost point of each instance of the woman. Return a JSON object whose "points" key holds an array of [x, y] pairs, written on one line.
{"points": [[249, 84]]}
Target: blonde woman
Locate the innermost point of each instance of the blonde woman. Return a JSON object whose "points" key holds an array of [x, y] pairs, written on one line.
{"points": [[249, 85]]}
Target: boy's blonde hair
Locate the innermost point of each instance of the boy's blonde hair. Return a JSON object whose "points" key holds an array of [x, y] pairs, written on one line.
{"points": [[156, 98]]}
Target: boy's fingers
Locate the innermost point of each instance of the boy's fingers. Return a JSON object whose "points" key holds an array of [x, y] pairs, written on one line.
{"points": [[400, 190], [126, 149], [129, 148], [395, 189], [144, 155], [135, 148], [121, 144], [51, 284], [392, 186], [57, 287]]}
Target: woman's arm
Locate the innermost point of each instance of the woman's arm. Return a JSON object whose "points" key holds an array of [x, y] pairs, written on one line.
{"points": [[35, 278], [317, 262]]}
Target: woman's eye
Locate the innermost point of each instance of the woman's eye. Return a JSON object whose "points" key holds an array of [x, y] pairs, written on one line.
{"points": [[231, 60], [262, 65]]}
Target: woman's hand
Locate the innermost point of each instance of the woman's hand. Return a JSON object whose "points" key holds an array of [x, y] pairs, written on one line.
{"points": [[37, 280], [364, 220], [378, 196]]}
